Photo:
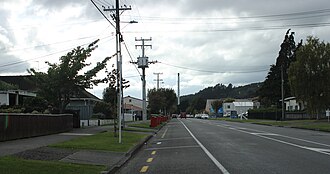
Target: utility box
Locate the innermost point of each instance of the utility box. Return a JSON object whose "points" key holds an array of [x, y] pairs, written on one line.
{"points": [[142, 62]]}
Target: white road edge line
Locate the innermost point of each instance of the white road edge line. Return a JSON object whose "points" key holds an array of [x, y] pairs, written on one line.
{"points": [[164, 133], [215, 161], [284, 142], [279, 135]]}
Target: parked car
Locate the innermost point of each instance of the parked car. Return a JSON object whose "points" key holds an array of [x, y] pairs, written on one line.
{"points": [[198, 116], [205, 116]]}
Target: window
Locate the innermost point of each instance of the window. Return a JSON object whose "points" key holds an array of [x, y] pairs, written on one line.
{"points": [[130, 100]]}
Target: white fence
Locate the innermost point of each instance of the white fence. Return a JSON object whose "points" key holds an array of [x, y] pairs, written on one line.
{"points": [[128, 117], [95, 122]]}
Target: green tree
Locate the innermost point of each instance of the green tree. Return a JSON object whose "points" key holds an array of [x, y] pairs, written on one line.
{"points": [[163, 99], [35, 104], [270, 92], [65, 79], [216, 105], [309, 75], [156, 101], [7, 86], [198, 104]]}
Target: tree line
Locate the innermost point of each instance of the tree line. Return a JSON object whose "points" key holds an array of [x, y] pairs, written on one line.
{"points": [[305, 70]]}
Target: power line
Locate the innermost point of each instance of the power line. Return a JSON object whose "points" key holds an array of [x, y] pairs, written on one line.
{"points": [[54, 43], [286, 26], [321, 11], [10, 64], [209, 71], [132, 59], [102, 13]]}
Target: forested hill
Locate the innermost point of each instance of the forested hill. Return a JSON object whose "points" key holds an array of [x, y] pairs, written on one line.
{"points": [[222, 91], [196, 102]]}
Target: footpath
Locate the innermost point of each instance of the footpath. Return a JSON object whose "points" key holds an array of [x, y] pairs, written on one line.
{"points": [[37, 148]]}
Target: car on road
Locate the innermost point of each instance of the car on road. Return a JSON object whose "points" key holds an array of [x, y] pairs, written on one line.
{"points": [[205, 116]]}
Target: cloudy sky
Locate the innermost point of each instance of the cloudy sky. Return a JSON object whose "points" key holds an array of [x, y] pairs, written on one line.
{"points": [[206, 41]]}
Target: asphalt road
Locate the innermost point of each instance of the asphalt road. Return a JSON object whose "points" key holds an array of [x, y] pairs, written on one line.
{"points": [[207, 146]]}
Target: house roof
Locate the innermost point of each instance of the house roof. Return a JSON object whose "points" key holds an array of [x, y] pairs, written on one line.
{"points": [[133, 98], [85, 94], [132, 107], [24, 82]]}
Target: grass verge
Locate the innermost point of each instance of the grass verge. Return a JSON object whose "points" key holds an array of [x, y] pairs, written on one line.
{"points": [[12, 165], [138, 130], [319, 125], [103, 141], [145, 125]]}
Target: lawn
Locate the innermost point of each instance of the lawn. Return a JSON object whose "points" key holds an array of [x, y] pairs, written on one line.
{"points": [[138, 130], [103, 141], [12, 165], [145, 125]]}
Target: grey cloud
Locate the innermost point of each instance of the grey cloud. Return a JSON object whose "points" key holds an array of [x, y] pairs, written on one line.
{"points": [[12, 64]]}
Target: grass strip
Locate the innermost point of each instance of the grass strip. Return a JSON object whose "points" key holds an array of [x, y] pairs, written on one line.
{"points": [[103, 141], [145, 125], [13, 165], [138, 130], [319, 125]]}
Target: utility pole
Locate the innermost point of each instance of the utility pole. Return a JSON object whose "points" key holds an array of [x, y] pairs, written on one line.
{"points": [[119, 39], [158, 80], [143, 63], [282, 93], [179, 92]]}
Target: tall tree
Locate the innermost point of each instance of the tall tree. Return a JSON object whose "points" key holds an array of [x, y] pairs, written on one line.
{"points": [[216, 105], [270, 92], [198, 104], [66, 79], [162, 99], [156, 101], [309, 75]]}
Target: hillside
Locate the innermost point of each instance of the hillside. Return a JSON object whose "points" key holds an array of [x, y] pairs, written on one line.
{"points": [[197, 101]]}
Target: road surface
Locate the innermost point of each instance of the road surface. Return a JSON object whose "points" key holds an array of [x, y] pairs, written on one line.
{"points": [[210, 146]]}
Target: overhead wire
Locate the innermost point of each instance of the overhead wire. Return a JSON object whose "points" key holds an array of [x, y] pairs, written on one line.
{"points": [[54, 43], [129, 54], [102, 13], [239, 17], [210, 71], [11, 64]]}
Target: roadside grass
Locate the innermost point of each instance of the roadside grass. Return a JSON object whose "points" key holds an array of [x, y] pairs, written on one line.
{"points": [[145, 125], [138, 130], [13, 165], [238, 120], [319, 125], [103, 141]]}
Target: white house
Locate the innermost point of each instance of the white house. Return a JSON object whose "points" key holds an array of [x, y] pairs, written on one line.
{"points": [[133, 106], [291, 104], [14, 97], [242, 107], [238, 105], [228, 107]]}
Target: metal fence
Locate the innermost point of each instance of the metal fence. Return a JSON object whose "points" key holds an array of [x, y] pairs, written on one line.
{"points": [[278, 115]]}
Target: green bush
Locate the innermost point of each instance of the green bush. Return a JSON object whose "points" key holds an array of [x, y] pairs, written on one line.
{"points": [[11, 110], [35, 104], [261, 110]]}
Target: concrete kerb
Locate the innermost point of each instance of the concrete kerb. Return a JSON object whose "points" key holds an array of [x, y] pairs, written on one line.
{"points": [[130, 154]]}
